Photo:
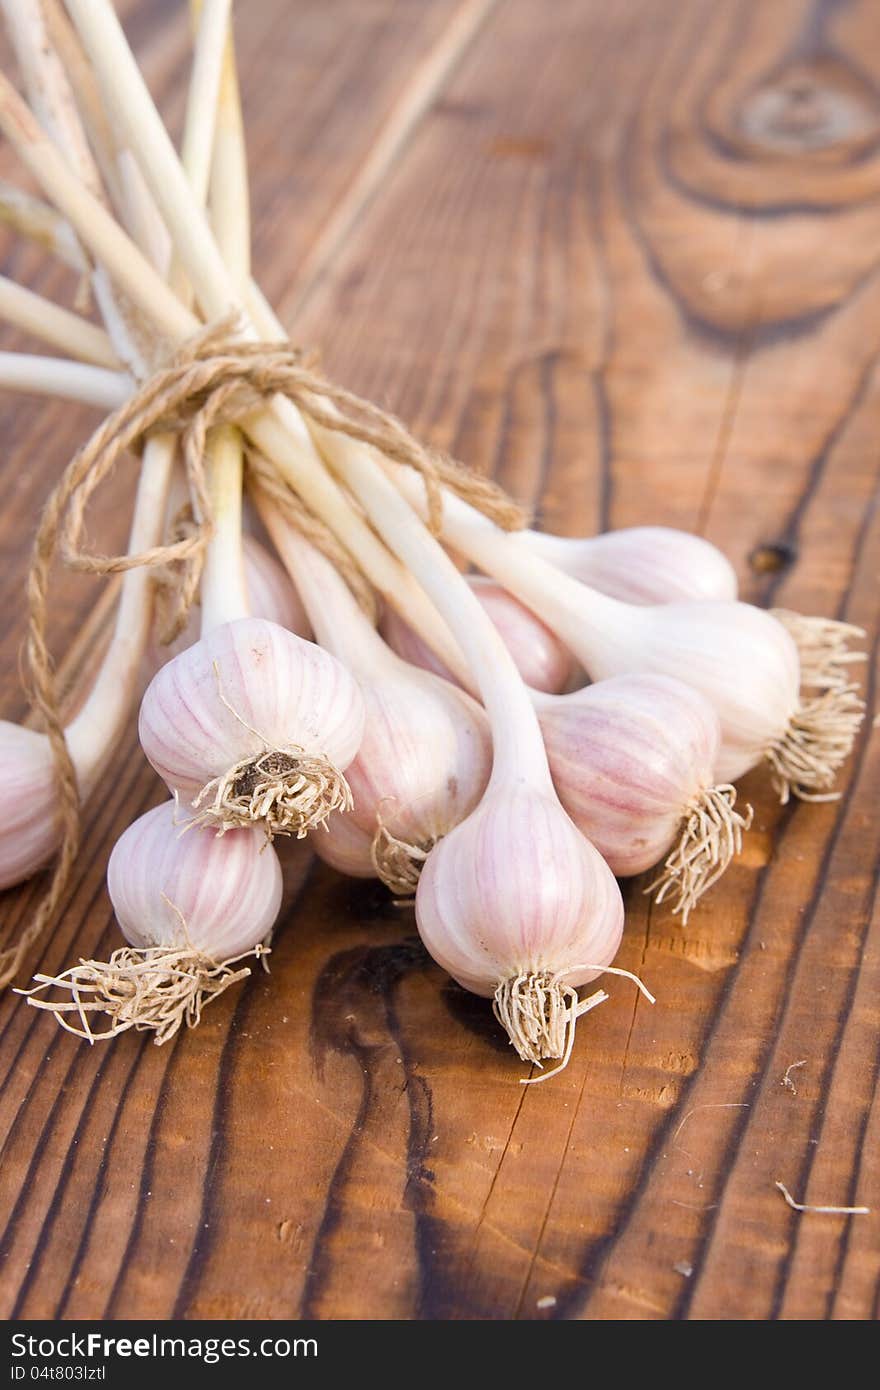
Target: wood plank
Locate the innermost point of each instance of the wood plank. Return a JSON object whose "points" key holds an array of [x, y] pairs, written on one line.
{"points": [[624, 262]]}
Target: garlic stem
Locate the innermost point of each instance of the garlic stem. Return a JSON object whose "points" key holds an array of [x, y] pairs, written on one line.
{"points": [[341, 626], [119, 169], [48, 88], [97, 228], [52, 98], [94, 731], [58, 376], [574, 611], [516, 736], [280, 431], [40, 223], [64, 46], [223, 588], [68, 332], [127, 98], [201, 111]]}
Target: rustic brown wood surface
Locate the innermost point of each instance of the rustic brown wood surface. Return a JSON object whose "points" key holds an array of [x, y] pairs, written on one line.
{"points": [[624, 256]]}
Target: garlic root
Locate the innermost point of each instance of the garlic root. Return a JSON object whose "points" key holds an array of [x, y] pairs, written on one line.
{"points": [[285, 791], [817, 741], [711, 836], [158, 988], [539, 1013], [397, 862], [822, 648]]}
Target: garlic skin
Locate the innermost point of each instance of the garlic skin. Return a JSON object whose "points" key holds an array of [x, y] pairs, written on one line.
{"points": [[517, 890], [738, 657], [346, 847], [541, 659], [628, 757], [180, 886], [422, 766], [247, 691], [640, 564], [29, 831]]}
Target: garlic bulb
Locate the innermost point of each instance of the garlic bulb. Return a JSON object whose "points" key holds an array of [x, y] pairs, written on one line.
{"points": [[540, 657], [191, 905], [640, 564], [173, 884], [28, 799], [425, 756], [518, 906], [739, 657], [251, 724], [632, 759], [346, 847], [423, 764]]}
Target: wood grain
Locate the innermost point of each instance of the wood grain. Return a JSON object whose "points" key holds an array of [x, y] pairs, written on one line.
{"points": [[626, 261]]}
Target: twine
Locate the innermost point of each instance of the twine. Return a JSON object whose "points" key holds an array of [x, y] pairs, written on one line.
{"points": [[213, 379]]}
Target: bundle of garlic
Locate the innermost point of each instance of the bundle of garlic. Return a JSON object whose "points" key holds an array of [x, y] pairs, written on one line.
{"points": [[461, 756]]}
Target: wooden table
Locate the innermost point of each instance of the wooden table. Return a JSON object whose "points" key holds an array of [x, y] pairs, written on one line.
{"points": [[624, 257]]}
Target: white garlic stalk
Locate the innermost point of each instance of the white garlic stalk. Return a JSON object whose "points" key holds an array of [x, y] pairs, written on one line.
{"points": [[30, 831], [425, 756], [191, 905], [639, 564], [739, 657], [632, 759], [540, 657], [514, 902]]}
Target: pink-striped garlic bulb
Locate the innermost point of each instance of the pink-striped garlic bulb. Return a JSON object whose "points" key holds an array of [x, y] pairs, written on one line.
{"points": [[254, 725], [28, 799], [191, 904], [656, 564], [632, 759], [514, 902], [518, 906]]}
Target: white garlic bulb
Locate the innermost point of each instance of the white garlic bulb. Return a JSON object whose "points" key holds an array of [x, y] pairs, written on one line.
{"points": [[640, 564], [177, 886], [252, 723]]}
